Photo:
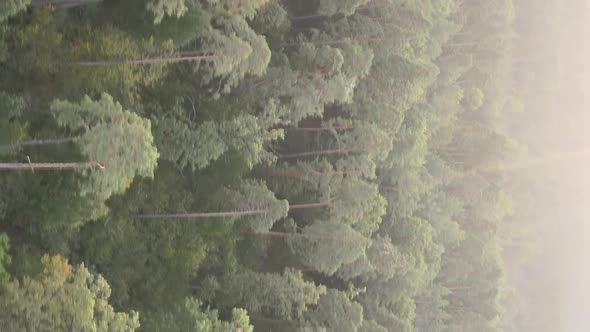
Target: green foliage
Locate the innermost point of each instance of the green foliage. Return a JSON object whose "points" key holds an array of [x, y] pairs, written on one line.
{"points": [[11, 7], [120, 140], [245, 8], [131, 16], [62, 298], [335, 311], [334, 7], [280, 296], [161, 8], [191, 316], [36, 45], [12, 128], [151, 264], [5, 259], [473, 99], [252, 195], [272, 20], [232, 55], [326, 246], [200, 146], [103, 44], [326, 165]]}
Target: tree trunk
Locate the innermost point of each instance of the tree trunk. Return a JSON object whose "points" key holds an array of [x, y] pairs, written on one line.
{"points": [[203, 214], [63, 4], [318, 16], [298, 174], [310, 205], [198, 215], [277, 234], [320, 129], [146, 61], [314, 153], [49, 166], [38, 142], [363, 38], [389, 187]]}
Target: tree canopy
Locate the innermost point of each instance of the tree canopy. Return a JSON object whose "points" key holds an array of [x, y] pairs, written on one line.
{"points": [[217, 165]]}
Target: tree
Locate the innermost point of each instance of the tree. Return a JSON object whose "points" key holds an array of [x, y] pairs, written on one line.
{"points": [[278, 296], [364, 138], [161, 8], [335, 312], [430, 309], [118, 142], [326, 246], [11, 7], [381, 260], [62, 298], [122, 141], [245, 134], [193, 316], [94, 44], [371, 326], [314, 76], [12, 127], [321, 169], [256, 62], [5, 259], [334, 7], [246, 8], [221, 56], [272, 20], [152, 264], [474, 99], [399, 316], [250, 201], [62, 3], [353, 200]]}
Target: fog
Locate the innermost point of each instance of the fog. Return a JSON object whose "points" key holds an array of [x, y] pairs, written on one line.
{"points": [[552, 74]]}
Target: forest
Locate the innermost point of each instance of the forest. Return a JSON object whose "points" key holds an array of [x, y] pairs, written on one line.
{"points": [[268, 165]]}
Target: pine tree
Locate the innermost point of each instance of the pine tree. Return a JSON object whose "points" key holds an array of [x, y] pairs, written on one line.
{"points": [[116, 142]]}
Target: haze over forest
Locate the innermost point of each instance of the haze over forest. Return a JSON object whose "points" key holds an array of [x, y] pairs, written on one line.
{"points": [[294, 165]]}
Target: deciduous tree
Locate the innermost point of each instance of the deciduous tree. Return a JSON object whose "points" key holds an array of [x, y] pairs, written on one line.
{"points": [[62, 298]]}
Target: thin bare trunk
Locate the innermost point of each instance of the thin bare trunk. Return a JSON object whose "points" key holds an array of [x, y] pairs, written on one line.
{"points": [[313, 16], [203, 214], [306, 17], [298, 174], [146, 61], [319, 129], [198, 215], [50, 166], [277, 234], [314, 153], [363, 38], [310, 205], [38, 142], [389, 187], [63, 3]]}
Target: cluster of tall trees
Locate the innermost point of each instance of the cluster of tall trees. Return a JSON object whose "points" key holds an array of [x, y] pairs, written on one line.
{"points": [[310, 165]]}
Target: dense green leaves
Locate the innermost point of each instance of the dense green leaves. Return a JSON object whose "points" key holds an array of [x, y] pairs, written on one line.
{"points": [[4, 258], [191, 316], [62, 298], [325, 165], [11, 7], [121, 141]]}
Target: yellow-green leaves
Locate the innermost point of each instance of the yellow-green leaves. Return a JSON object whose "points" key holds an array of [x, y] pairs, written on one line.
{"points": [[62, 298]]}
